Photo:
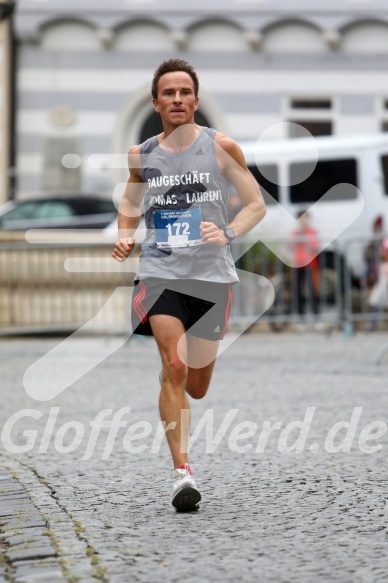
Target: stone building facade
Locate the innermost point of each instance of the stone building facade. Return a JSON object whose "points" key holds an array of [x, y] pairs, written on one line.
{"points": [[84, 69]]}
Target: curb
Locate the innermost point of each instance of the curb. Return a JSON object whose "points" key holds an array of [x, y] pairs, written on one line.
{"points": [[39, 541], [28, 555]]}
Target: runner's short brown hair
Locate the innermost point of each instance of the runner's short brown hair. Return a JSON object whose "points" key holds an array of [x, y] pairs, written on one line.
{"points": [[170, 66]]}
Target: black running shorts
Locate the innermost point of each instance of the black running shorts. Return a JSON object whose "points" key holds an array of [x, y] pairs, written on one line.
{"points": [[188, 300]]}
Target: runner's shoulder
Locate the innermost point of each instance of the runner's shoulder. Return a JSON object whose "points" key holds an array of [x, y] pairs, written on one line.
{"points": [[230, 146], [134, 160], [134, 150]]}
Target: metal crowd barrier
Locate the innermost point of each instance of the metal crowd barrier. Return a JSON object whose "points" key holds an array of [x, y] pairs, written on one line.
{"points": [[40, 294], [283, 313], [61, 287], [359, 311]]}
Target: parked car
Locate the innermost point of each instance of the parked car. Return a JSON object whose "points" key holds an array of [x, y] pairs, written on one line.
{"points": [[57, 212]]}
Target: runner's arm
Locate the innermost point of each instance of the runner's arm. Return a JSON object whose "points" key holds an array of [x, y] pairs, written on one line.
{"points": [[232, 164], [129, 214]]}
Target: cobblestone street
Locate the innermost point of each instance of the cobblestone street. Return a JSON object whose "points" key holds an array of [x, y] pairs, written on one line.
{"points": [[72, 510]]}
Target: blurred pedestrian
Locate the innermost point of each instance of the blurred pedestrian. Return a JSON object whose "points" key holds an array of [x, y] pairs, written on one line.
{"points": [[378, 297], [305, 275], [372, 252], [180, 181]]}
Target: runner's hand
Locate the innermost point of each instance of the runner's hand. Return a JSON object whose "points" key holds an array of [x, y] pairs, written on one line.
{"points": [[123, 249], [210, 233]]}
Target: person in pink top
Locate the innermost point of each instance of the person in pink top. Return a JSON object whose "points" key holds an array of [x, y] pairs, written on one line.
{"points": [[305, 248]]}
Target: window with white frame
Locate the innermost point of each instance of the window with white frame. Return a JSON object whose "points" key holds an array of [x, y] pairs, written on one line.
{"points": [[314, 114]]}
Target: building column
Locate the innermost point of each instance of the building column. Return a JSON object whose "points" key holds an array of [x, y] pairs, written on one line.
{"points": [[5, 98]]}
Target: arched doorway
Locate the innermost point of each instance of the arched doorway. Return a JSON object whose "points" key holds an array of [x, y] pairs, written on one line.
{"points": [[153, 125]]}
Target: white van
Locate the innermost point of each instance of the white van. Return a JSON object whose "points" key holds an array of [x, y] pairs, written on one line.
{"points": [[297, 173]]}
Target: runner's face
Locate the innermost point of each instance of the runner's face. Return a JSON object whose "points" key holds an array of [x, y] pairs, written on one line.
{"points": [[176, 101]]}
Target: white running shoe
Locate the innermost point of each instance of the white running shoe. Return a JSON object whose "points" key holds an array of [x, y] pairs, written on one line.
{"points": [[185, 494]]}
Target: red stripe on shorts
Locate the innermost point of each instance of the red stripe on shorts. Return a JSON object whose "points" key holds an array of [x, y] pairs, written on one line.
{"points": [[140, 310], [227, 311]]}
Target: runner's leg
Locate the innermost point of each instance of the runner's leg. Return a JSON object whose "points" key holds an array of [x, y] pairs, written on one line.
{"points": [[167, 330], [201, 358]]}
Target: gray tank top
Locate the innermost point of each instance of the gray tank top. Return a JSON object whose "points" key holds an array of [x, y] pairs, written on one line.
{"points": [[184, 188]]}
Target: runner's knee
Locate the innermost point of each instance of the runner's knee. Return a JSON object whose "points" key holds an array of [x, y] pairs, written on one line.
{"points": [[175, 371], [196, 393], [197, 390]]}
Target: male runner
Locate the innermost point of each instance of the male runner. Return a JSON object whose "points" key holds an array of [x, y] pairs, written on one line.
{"points": [[179, 181]]}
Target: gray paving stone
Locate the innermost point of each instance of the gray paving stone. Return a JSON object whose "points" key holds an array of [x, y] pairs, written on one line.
{"points": [[19, 524], [3, 570], [29, 535], [36, 551], [34, 572]]}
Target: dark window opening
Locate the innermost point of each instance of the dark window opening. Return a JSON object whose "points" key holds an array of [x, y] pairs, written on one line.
{"points": [[268, 183], [311, 104], [385, 126], [316, 128], [327, 173], [384, 162]]}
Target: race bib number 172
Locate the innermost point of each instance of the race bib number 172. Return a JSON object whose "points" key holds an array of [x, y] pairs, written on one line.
{"points": [[178, 228]]}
